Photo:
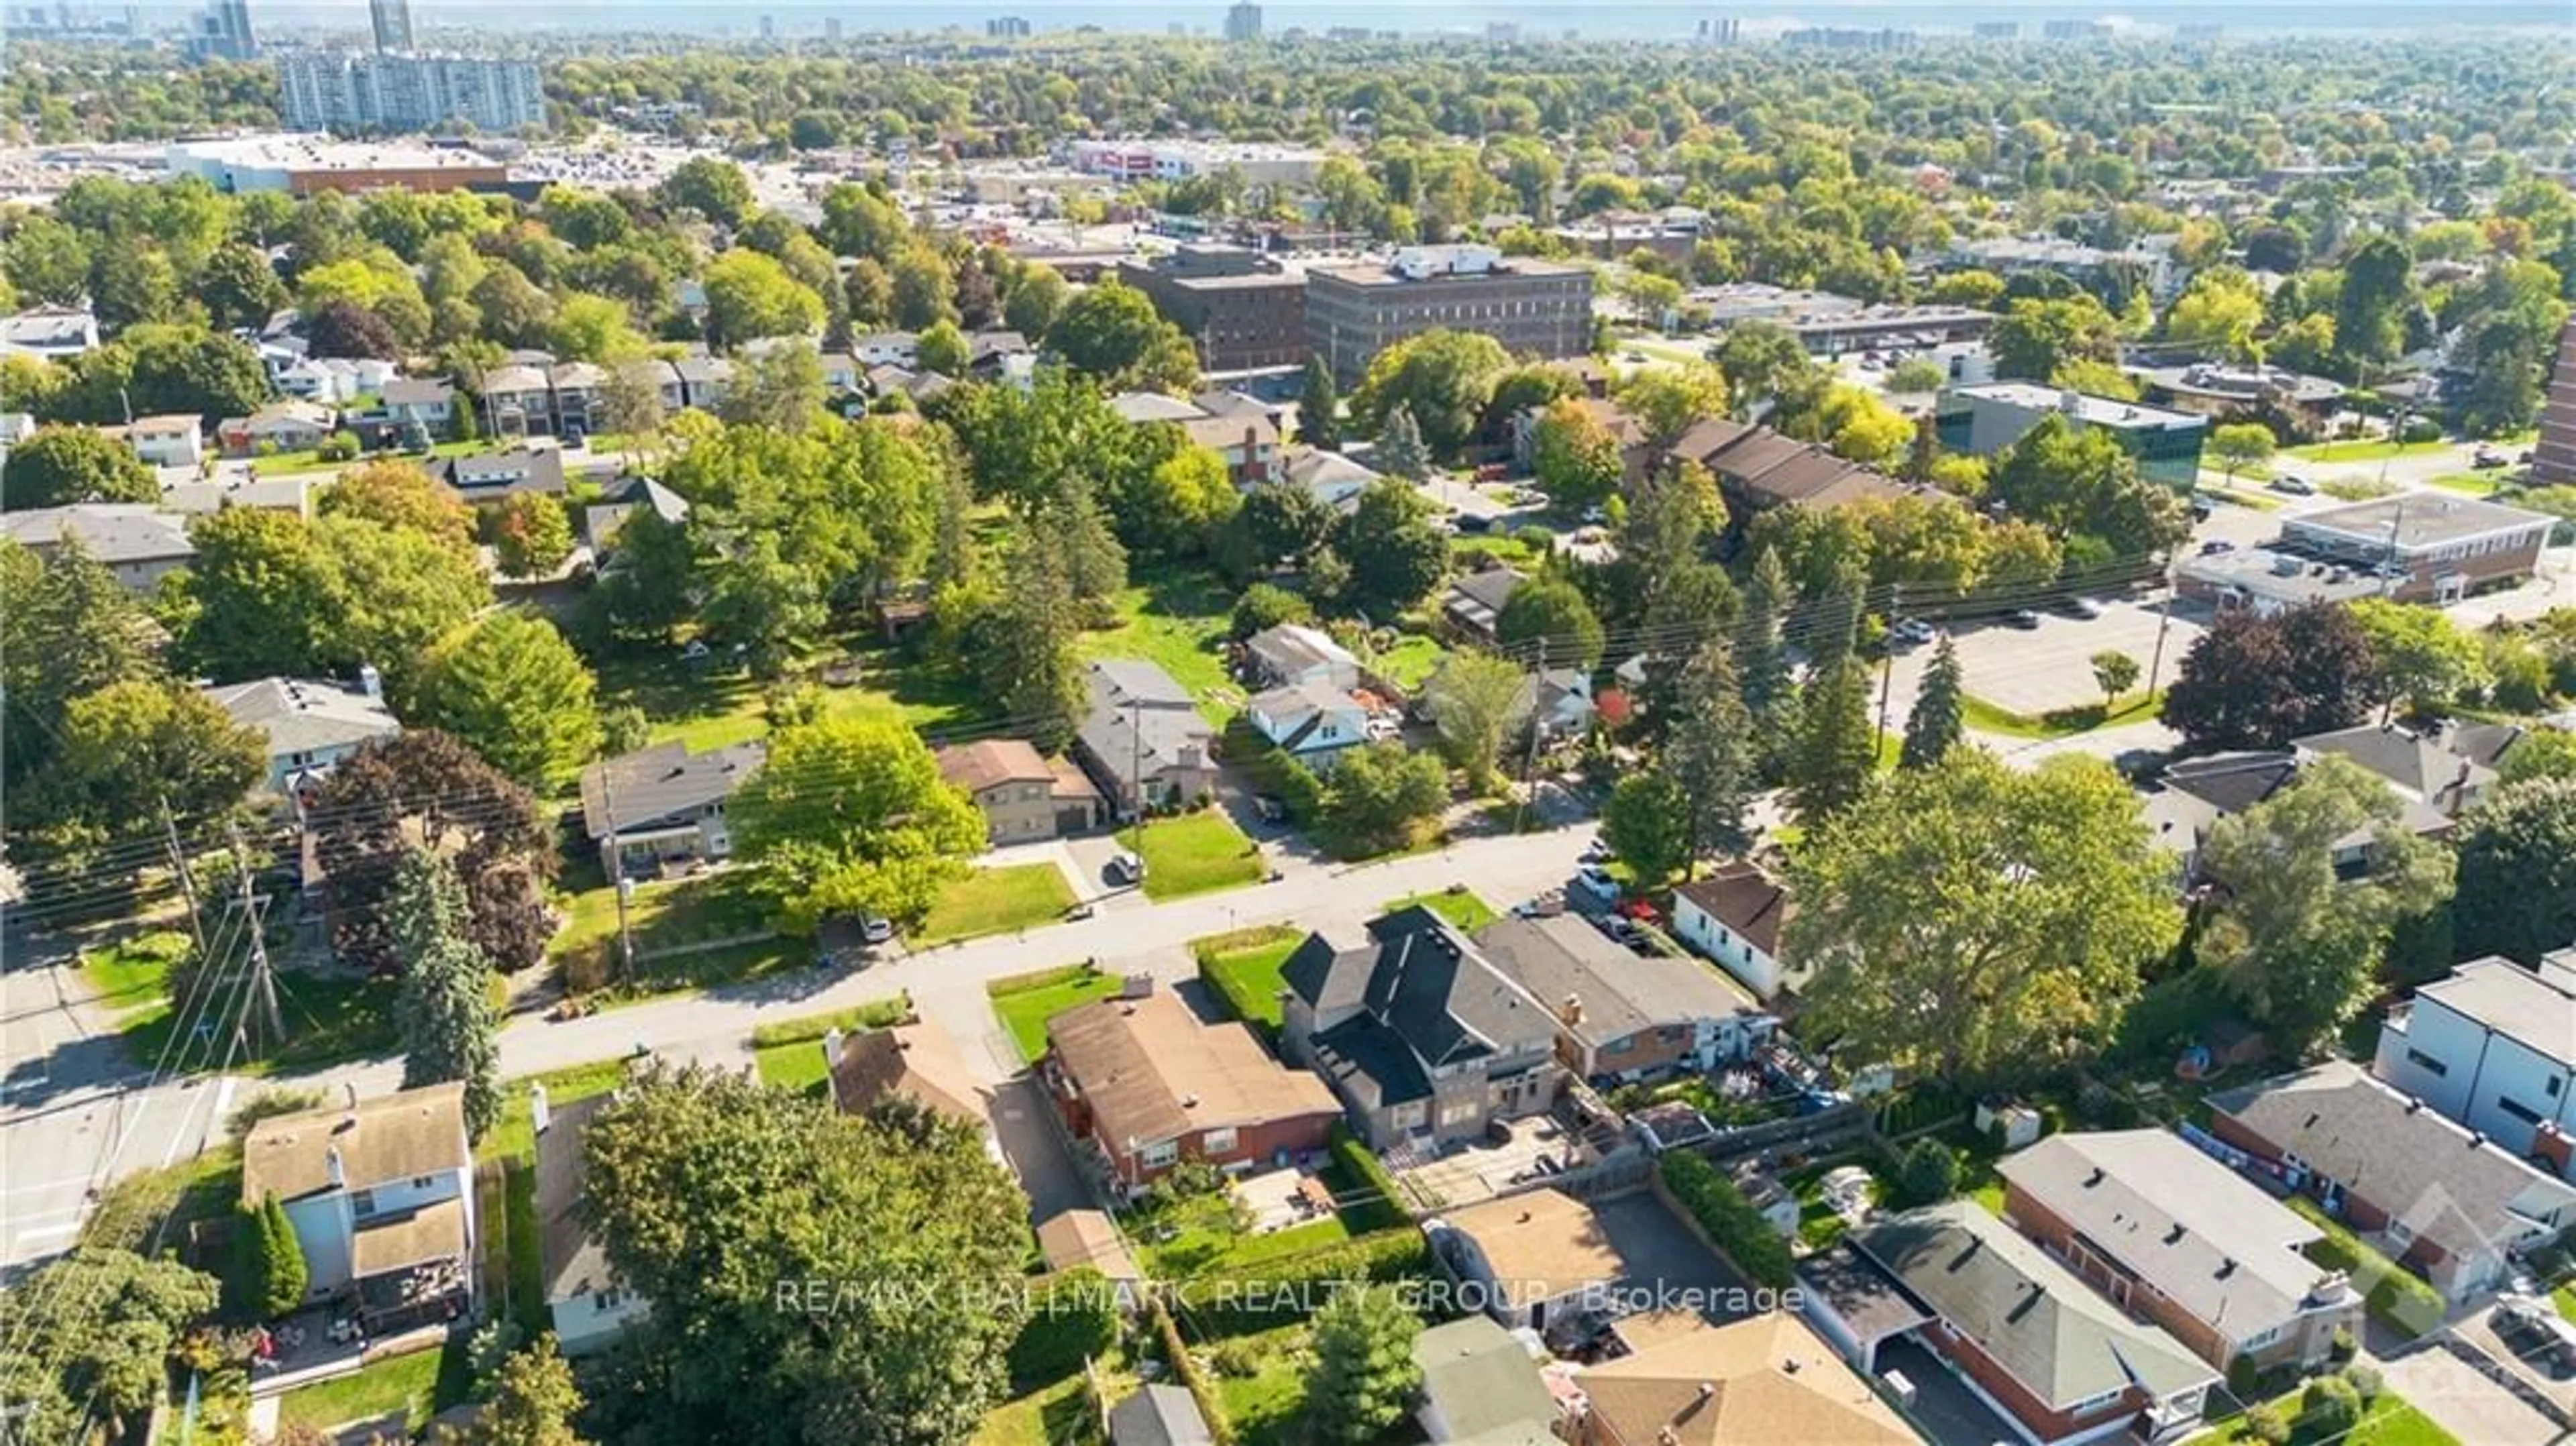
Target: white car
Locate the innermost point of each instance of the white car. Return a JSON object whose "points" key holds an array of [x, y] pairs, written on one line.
{"points": [[1126, 868], [876, 931]]}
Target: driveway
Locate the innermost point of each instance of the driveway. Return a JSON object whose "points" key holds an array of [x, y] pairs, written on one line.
{"points": [[1663, 1256], [1035, 1151], [2463, 1401], [1944, 1407]]}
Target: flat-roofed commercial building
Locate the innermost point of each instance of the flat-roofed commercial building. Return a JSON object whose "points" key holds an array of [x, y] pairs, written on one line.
{"points": [[1241, 309], [1984, 420], [2445, 547], [1529, 305]]}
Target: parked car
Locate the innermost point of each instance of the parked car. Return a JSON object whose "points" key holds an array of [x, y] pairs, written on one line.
{"points": [[2022, 618], [1474, 522], [1908, 633], [2295, 486], [876, 931], [1126, 868], [1595, 851], [1596, 881], [2487, 459], [2082, 607], [1492, 472], [2215, 546]]}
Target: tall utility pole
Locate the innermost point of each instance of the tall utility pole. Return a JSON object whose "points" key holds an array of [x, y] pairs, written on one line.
{"points": [[2164, 621], [187, 880], [262, 981], [1887, 667], [1529, 768], [617, 862]]}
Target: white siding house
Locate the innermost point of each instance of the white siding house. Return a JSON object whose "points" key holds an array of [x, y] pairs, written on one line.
{"points": [[1735, 917], [1314, 722], [2493, 1047]]}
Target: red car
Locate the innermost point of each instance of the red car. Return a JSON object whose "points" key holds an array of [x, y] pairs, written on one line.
{"points": [[1639, 910]]}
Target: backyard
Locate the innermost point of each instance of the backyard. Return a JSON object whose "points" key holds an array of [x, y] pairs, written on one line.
{"points": [[997, 901], [1200, 1236], [1177, 620], [706, 707], [1261, 1381], [2389, 1421], [1024, 1005], [1195, 853], [405, 1384]]}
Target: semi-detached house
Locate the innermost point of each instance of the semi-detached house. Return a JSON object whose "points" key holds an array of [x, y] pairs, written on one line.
{"points": [[1620, 1018], [2493, 1046]]}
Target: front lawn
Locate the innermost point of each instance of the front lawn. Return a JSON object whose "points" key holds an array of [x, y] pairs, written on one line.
{"points": [[405, 1384], [2475, 484], [668, 919], [997, 901], [1984, 717], [789, 1053], [1456, 904], [1243, 967], [130, 973], [2390, 1421], [514, 1135], [1194, 854], [330, 1019], [1024, 1007], [1176, 619], [2395, 1297]]}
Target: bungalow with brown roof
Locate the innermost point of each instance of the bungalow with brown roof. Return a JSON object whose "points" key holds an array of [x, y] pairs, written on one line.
{"points": [[381, 1195], [1024, 796], [916, 1062], [1764, 1379], [1620, 1018], [1736, 917], [1142, 1084]]}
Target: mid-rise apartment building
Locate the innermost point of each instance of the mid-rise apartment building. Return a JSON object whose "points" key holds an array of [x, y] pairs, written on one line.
{"points": [[341, 91]]}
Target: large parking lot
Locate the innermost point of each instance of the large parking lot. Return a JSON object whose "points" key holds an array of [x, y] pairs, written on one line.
{"points": [[2039, 670]]}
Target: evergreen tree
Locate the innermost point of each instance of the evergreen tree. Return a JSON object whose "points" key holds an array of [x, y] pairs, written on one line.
{"points": [[444, 1014], [1761, 659], [1400, 452], [1836, 753], [1319, 407], [1933, 728], [1708, 752], [1364, 1374], [1021, 647]]}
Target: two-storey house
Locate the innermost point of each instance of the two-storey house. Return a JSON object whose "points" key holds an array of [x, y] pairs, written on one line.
{"points": [[1736, 916], [310, 724], [1424, 1039], [381, 1195], [2493, 1046], [1620, 1018], [588, 1302], [1023, 796], [663, 805]]}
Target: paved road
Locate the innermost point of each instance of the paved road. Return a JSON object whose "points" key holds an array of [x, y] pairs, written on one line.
{"points": [[59, 1137]]}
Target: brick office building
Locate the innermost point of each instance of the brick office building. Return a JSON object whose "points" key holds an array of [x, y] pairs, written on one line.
{"points": [[1354, 312], [1241, 309]]}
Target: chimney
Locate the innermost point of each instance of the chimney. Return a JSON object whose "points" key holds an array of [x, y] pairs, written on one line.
{"points": [[538, 1110], [332, 1169], [832, 1041], [2552, 1145], [1571, 1011], [371, 682], [349, 1089]]}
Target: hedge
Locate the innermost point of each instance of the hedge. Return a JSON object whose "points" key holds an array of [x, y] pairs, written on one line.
{"points": [[1366, 1171], [1275, 1292], [1732, 1224], [1010, 984], [875, 1014], [1211, 1405]]}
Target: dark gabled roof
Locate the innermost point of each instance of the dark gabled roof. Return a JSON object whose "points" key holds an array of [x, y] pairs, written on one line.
{"points": [[518, 469], [2232, 782], [1425, 995], [576, 1263], [655, 783], [410, 391], [1746, 899], [1158, 1416]]}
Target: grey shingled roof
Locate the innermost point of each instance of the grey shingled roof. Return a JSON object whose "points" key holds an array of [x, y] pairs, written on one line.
{"points": [[111, 532], [666, 779], [1158, 1416], [1140, 717], [1483, 1382], [304, 715], [2051, 1331], [576, 1263], [1621, 993]]}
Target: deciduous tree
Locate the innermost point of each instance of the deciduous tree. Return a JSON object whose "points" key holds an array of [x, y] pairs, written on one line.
{"points": [[1112, 332], [2259, 682], [1551, 612], [849, 816], [60, 466], [1647, 824], [1981, 922], [2299, 947], [2417, 655], [513, 690], [2114, 672], [130, 747], [1396, 556], [401, 495], [1479, 701], [90, 1334], [531, 537], [710, 1189], [1380, 794], [2517, 871], [422, 787], [533, 1401], [1442, 377]]}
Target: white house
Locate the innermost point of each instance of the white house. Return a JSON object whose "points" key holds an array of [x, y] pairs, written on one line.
{"points": [[1314, 722], [2492, 1046], [381, 1195], [888, 349], [1563, 706], [1735, 916], [52, 333], [311, 724], [174, 440], [589, 1303], [1335, 479]]}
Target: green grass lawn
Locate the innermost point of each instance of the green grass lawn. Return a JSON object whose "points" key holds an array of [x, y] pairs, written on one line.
{"points": [[1266, 1404], [1177, 620], [789, 1053], [1244, 967], [2362, 450], [1205, 1243], [706, 708], [1054, 1414], [2390, 1421], [1459, 906], [1195, 853], [405, 1383], [160, 1204], [1410, 661], [514, 1135], [997, 901], [2357, 489], [330, 1019], [2238, 496], [2475, 484], [1025, 1011], [1984, 717], [669, 916]]}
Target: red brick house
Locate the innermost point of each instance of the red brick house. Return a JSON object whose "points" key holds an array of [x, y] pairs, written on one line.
{"points": [[1143, 1085]]}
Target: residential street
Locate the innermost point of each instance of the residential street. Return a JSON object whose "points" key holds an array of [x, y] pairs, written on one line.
{"points": [[53, 1145]]}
